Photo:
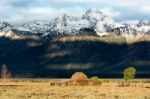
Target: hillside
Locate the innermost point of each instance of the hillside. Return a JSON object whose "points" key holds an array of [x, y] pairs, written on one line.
{"points": [[104, 56]]}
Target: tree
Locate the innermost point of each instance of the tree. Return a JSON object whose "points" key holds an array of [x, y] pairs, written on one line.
{"points": [[129, 74], [5, 74]]}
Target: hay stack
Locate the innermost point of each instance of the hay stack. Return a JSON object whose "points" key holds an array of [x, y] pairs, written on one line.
{"points": [[79, 76]]}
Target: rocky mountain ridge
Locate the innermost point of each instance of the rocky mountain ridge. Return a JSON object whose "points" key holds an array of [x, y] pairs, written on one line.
{"points": [[93, 21]]}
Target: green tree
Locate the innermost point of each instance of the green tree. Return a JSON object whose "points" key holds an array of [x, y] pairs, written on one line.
{"points": [[129, 74]]}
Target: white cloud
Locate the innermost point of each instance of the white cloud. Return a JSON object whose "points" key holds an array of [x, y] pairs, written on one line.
{"points": [[130, 22], [10, 11], [78, 1], [15, 18], [112, 2], [84, 1], [145, 9], [49, 12], [22, 15], [110, 12]]}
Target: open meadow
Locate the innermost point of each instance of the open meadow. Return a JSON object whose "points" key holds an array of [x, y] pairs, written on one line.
{"points": [[42, 89]]}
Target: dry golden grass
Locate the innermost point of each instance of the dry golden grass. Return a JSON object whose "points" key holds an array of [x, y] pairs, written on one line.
{"points": [[43, 90]]}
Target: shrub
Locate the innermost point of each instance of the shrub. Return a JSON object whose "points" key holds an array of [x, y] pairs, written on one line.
{"points": [[96, 80]]}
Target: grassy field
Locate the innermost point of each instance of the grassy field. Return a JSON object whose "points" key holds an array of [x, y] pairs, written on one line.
{"points": [[41, 89], [73, 92]]}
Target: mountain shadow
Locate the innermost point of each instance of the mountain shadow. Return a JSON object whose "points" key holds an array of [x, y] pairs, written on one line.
{"points": [[60, 59]]}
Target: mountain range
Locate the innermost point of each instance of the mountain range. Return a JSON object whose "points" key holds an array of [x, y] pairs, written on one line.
{"points": [[93, 43], [94, 20]]}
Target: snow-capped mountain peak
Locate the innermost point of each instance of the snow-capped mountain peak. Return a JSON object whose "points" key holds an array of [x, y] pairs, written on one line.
{"points": [[104, 26], [62, 20], [93, 14], [4, 26], [93, 19], [65, 24], [36, 27], [143, 23]]}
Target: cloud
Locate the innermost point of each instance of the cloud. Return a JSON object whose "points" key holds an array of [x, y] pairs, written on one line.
{"points": [[85, 1], [21, 11], [112, 2], [130, 22], [22, 15], [145, 9], [111, 12], [15, 3]]}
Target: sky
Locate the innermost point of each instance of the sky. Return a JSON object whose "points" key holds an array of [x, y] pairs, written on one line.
{"points": [[21, 11]]}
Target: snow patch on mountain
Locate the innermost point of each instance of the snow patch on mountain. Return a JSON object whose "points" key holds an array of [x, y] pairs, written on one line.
{"points": [[93, 16], [107, 25], [4, 26], [104, 26], [132, 33], [35, 27], [69, 25]]}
